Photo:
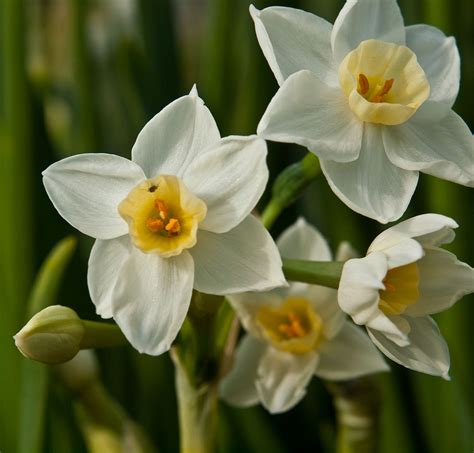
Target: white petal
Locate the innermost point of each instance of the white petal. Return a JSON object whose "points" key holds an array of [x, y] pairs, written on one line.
{"points": [[428, 229], [243, 259], [360, 20], [443, 281], [151, 299], [405, 252], [283, 378], [246, 305], [292, 40], [302, 241], [175, 136], [239, 386], [349, 355], [427, 351], [324, 302], [87, 188], [310, 113], [361, 281], [230, 178], [345, 251], [439, 57], [372, 185], [105, 263], [435, 141]]}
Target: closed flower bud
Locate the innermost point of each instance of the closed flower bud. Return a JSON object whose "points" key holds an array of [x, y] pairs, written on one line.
{"points": [[52, 336]]}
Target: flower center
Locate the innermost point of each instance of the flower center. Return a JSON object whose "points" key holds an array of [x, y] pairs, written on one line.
{"points": [[292, 327], [383, 82], [401, 289], [162, 215]]}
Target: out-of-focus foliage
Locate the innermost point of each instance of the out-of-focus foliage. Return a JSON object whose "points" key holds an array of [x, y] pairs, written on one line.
{"points": [[84, 76]]}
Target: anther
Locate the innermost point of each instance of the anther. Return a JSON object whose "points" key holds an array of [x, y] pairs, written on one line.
{"points": [[154, 225], [363, 84], [173, 226], [162, 208], [387, 86]]}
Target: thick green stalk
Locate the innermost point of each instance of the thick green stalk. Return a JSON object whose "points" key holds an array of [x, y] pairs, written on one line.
{"points": [[17, 204], [324, 273], [357, 411]]}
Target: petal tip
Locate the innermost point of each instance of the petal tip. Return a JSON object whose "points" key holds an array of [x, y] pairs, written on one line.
{"points": [[254, 12]]}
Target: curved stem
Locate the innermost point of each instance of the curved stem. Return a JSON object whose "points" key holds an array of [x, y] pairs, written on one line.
{"points": [[324, 273]]}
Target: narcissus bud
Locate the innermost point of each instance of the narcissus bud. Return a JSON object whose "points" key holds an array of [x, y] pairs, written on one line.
{"points": [[54, 335]]}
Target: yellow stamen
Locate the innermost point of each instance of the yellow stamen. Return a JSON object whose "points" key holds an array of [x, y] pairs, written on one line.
{"points": [[154, 225], [294, 328], [173, 226], [162, 208], [387, 86], [363, 84]]}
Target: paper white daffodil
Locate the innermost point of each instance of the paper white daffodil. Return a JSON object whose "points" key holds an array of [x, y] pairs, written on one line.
{"points": [[174, 218], [404, 278], [370, 97], [295, 333]]}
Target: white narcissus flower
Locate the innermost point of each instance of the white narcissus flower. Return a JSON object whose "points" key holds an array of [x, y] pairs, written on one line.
{"points": [[403, 279], [174, 218], [295, 333], [370, 97]]}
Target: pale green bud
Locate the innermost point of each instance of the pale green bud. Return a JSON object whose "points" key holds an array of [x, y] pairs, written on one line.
{"points": [[54, 335]]}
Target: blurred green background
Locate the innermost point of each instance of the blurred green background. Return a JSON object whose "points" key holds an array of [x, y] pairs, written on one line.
{"points": [[84, 76]]}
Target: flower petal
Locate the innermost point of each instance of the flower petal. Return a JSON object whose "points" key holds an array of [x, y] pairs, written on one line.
{"points": [[87, 188], [361, 281], [175, 136], [292, 39], [230, 178], [405, 252], [435, 141], [439, 57], [443, 281], [105, 263], [239, 386], [427, 351], [349, 355], [246, 305], [283, 378], [151, 299], [427, 229], [243, 259], [302, 241], [310, 113], [372, 185], [360, 20]]}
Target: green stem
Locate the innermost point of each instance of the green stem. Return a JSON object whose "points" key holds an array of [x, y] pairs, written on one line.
{"points": [[101, 335], [324, 273], [289, 185], [357, 412], [198, 410]]}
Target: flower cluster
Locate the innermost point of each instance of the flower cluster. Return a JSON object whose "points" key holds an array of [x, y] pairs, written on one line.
{"points": [[372, 100]]}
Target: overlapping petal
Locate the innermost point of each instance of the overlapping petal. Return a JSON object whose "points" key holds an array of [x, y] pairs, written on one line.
{"points": [[87, 188], [239, 386], [292, 40], [360, 20], [372, 185], [151, 299], [175, 136], [428, 229], [349, 355], [230, 178], [283, 378], [436, 141], [427, 351], [105, 263], [443, 281], [243, 259], [310, 113], [439, 57], [303, 242]]}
